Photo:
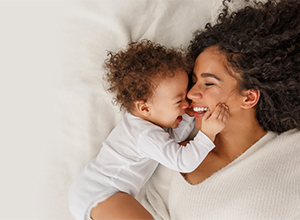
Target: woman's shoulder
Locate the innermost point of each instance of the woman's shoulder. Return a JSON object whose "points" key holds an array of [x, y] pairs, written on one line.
{"points": [[288, 142], [287, 146], [290, 136]]}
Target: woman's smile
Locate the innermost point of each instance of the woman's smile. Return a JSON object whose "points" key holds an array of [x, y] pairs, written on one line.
{"points": [[199, 111]]}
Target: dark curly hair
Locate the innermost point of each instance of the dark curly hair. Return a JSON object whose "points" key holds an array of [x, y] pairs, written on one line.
{"points": [[134, 73], [262, 43]]}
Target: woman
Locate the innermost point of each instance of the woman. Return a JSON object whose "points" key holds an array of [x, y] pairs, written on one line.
{"points": [[249, 60]]}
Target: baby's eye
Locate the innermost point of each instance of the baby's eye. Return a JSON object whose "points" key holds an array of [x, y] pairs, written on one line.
{"points": [[179, 102]]}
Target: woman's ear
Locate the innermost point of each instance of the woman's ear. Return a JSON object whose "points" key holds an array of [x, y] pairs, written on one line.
{"points": [[142, 107], [251, 99]]}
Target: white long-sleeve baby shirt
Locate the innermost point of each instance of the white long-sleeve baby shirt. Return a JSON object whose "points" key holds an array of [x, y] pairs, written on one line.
{"points": [[128, 158]]}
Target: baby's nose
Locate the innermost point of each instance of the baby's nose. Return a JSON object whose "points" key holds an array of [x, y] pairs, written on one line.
{"points": [[185, 104]]}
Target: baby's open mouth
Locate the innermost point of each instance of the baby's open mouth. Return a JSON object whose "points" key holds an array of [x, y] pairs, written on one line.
{"points": [[200, 109], [179, 118]]}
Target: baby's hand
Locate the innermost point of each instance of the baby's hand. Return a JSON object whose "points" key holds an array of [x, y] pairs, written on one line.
{"points": [[213, 123]]}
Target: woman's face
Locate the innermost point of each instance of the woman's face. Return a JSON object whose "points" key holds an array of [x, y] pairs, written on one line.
{"points": [[213, 84]]}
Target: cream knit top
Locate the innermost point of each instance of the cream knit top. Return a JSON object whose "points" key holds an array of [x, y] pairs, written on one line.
{"points": [[263, 183]]}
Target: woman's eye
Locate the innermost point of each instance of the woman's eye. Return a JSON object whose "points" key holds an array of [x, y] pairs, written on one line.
{"points": [[209, 84]]}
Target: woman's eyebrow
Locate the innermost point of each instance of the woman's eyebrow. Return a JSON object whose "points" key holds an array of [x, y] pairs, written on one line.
{"points": [[205, 75]]}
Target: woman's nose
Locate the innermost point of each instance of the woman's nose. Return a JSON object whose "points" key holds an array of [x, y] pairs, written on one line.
{"points": [[194, 93]]}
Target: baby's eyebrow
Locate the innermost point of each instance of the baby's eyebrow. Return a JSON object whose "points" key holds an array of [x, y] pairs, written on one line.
{"points": [[176, 97]]}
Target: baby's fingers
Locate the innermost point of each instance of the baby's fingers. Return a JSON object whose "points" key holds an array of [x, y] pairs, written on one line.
{"points": [[224, 113], [216, 113], [206, 115]]}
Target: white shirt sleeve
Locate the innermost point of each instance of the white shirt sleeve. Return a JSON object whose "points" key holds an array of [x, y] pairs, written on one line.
{"points": [[183, 130], [157, 145]]}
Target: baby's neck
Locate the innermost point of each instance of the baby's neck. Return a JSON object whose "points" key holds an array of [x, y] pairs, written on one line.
{"points": [[138, 114]]}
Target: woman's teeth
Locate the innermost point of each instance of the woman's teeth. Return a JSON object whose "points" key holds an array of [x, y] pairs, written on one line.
{"points": [[200, 109]]}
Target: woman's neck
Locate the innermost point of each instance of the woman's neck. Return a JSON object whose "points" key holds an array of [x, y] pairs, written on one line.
{"points": [[236, 138]]}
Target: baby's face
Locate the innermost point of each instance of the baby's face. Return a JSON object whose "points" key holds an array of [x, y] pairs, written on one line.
{"points": [[168, 102]]}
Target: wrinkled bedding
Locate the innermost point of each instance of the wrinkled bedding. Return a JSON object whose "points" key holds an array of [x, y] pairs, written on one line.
{"points": [[69, 111]]}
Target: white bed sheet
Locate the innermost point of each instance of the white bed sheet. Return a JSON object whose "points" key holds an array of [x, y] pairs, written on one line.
{"points": [[55, 111]]}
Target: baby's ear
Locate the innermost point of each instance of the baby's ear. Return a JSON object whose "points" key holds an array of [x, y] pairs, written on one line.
{"points": [[251, 99], [142, 107]]}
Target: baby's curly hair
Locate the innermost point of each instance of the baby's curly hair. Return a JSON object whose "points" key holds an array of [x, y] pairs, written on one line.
{"points": [[134, 73], [262, 43]]}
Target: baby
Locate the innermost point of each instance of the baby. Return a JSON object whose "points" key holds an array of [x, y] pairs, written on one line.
{"points": [[150, 83]]}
